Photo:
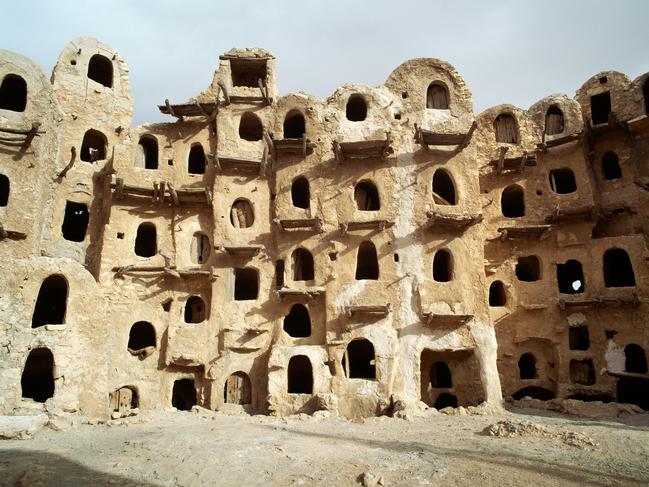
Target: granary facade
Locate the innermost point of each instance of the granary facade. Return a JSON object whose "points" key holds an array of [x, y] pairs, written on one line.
{"points": [[291, 254]]}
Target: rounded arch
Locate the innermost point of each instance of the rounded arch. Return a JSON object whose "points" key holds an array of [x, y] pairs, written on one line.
{"points": [[527, 366], [618, 270], [294, 125], [195, 310], [444, 192], [443, 266], [366, 196], [440, 376], [242, 214], [13, 93], [141, 335], [146, 240], [356, 108], [93, 146], [250, 127], [302, 261], [100, 69], [297, 323], [611, 166], [196, 159], [51, 303], [506, 128], [300, 375], [37, 380], [359, 360], [437, 96], [148, 152], [512, 201], [300, 193], [497, 294], [238, 389], [367, 262], [124, 399], [554, 121]]}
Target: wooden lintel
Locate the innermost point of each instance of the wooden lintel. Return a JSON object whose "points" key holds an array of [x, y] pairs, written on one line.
{"points": [[378, 309], [451, 319], [365, 225], [11, 234], [224, 89]]}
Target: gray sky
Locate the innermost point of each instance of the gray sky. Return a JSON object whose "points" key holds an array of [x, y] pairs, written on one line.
{"points": [[512, 51]]}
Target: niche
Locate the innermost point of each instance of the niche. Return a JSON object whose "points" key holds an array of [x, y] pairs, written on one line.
{"points": [[200, 248], [196, 160], [554, 120], [443, 266], [123, 400], [51, 303], [246, 284], [618, 271], [100, 69], [356, 109], [505, 129], [443, 188], [302, 265], [148, 152], [367, 196], [645, 94], [238, 389], [141, 336], [360, 357], [294, 126], [633, 390], [437, 96], [562, 181], [242, 214], [195, 310], [611, 166], [297, 323], [300, 194], [445, 400], [534, 392], [146, 240], [367, 263], [578, 338], [183, 394], [440, 376], [512, 201], [75, 221], [527, 366], [300, 375], [248, 72], [13, 93], [250, 127], [600, 107], [497, 295], [37, 381], [93, 147], [4, 190], [635, 360], [528, 268], [582, 372], [279, 273], [570, 277]]}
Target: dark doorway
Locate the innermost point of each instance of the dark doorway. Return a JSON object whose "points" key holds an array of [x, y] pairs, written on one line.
{"points": [[246, 284], [300, 375], [146, 240], [579, 338], [183, 395], [360, 357], [100, 69], [195, 310], [75, 221], [512, 201], [635, 360], [570, 277], [148, 147], [356, 109], [300, 194], [367, 263], [527, 366], [93, 147], [367, 196], [13, 93], [618, 271], [141, 336], [51, 303], [297, 323], [196, 160], [443, 188], [440, 376], [562, 181], [443, 266], [294, 126], [600, 107], [528, 269], [633, 390], [497, 295], [445, 400], [302, 265], [248, 72], [4, 190], [250, 127], [611, 166], [37, 381], [238, 389]]}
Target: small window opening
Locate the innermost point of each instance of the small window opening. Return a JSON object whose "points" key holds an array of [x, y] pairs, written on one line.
{"points": [[611, 166], [437, 97], [148, 154], [562, 181], [528, 268], [238, 389], [527, 366], [497, 295], [360, 357], [297, 323], [633, 390], [396, 257], [570, 277], [600, 107], [146, 240], [51, 303], [443, 188], [512, 201], [367, 196], [4, 190], [505, 129], [250, 127], [242, 214], [93, 147], [183, 395], [13, 93], [75, 221], [248, 72], [141, 336], [300, 375], [300, 194], [635, 360], [246, 284], [582, 372], [443, 266], [554, 120], [200, 248], [120, 235], [100, 69], [37, 381], [356, 109], [445, 400], [618, 271], [123, 400], [195, 310], [367, 263], [603, 80], [302, 265], [579, 338], [166, 305], [196, 160], [645, 94], [279, 273], [440, 376], [294, 126]]}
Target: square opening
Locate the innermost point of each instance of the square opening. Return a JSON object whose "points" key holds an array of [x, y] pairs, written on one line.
{"points": [[248, 72]]}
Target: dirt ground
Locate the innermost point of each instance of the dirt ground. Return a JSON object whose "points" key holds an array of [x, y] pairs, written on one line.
{"points": [[202, 447]]}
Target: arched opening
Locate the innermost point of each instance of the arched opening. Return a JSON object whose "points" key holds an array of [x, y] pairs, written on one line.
{"points": [[367, 262], [445, 400], [302, 265], [443, 188], [250, 127], [13, 93], [146, 240], [440, 376], [611, 166], [246, 284], [600, 107], [37, 381], [123, 400], [512, 201], [100, 69], [196, 160], [294, 126], [300, 193], [579, 338], [497, 295], [582, 372], [200, 248], [297, 323], [618, 271], [645, 94], [75, 221], [635, 360], [443, 266], [367, 196], [242, 214], [553, 120], [183, 394], [528, 268], [356, 109], [148, 152], [52, 302], [141, 336], [562, 181], [360, 357], [238, 389], [437, 96], [570, 277], [195, 310], [633, 390], [527, 366], [300, 375], [534, 392], [4, 190], [93, 147], [506, 129]]}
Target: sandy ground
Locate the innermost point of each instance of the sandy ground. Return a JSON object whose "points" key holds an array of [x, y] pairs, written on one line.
{"points": [[210, 448]]}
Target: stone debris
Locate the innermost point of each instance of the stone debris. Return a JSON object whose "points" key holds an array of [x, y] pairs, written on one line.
{"points": [[511, 429], [21, 427]]}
